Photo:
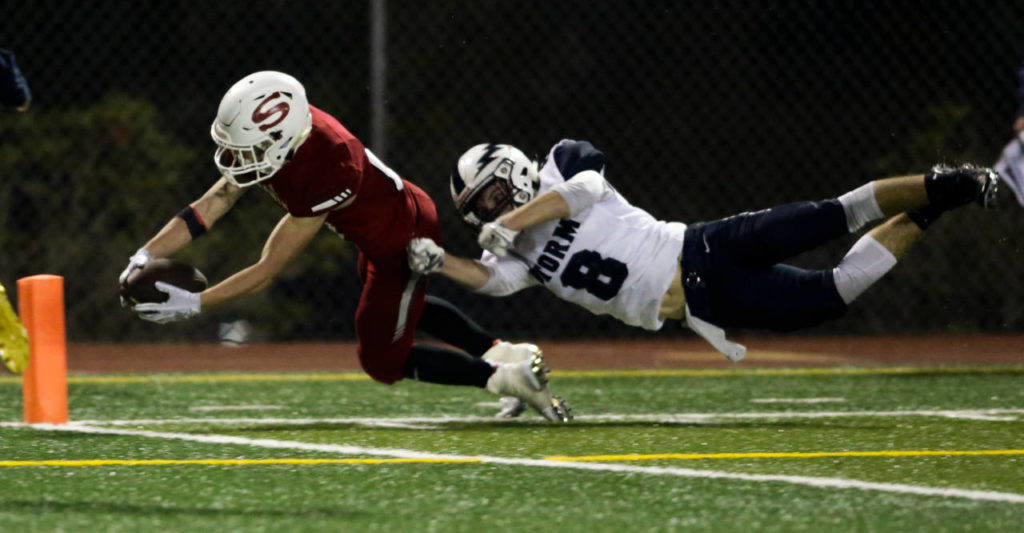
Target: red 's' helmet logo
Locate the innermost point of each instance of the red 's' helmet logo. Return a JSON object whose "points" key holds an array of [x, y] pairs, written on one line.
{"points": [[263, 112]]}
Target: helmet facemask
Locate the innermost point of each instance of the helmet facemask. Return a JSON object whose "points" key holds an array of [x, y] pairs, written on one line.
{"points": [[490, 180], [489, 202], [243, 165]]}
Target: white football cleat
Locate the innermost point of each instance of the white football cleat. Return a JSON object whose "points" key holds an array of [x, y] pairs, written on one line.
{"points": [[506, 352], [511, 407], [528, 381]]}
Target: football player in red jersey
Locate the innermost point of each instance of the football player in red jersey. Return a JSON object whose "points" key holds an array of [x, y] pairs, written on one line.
{"points": [[268, 135]]}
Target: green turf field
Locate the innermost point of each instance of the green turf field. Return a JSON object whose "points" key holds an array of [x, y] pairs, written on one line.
{"points": [[886, 449]]}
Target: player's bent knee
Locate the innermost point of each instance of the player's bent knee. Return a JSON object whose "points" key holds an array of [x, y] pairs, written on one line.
{"points": [[865, 263], [384, 365], [860, 207]]}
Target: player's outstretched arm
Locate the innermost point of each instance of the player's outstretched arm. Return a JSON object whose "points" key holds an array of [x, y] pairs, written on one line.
{"points": [[209, 208], [563, 201], [290, 237], [186, 226], [498, 236], [468, 272], [427, 257], [492, 276], [548, 206]]}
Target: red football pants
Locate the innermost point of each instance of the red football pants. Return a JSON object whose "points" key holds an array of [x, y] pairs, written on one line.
{"points": [[392, 301]]}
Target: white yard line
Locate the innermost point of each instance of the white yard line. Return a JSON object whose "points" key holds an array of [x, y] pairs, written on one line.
{"points": [[1002, 415], [999, 415], [207, 408], [798, 400], [820, 482]]}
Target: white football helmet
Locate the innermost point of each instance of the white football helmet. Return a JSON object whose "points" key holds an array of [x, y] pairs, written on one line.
{"points": [[487, 164], [260, 123]]}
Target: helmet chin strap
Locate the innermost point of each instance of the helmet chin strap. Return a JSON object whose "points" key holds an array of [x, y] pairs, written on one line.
{"points": [[298, 142]]}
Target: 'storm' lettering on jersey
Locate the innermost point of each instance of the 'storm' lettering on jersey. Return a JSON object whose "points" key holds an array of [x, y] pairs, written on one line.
{"points": [[566, 229], [536, 272], [547, 263], [555, 250]]}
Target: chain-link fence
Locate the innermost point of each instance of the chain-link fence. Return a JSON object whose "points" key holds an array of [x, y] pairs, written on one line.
{"points": [[703, 109]]}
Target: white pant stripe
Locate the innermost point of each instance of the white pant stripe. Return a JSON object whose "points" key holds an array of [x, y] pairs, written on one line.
{"points": [[403, 308]]}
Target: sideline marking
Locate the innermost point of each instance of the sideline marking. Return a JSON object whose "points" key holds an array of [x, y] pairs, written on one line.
{"points": [[821, 482], [229, 462], [427, 422], [667, 372]]}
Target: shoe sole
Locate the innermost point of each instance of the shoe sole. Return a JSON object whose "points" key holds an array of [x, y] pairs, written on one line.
{"points": [[559, 410], [539, 369]]}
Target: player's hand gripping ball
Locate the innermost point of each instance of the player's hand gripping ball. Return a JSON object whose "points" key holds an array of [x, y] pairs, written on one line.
{"points": [[140, 286]]}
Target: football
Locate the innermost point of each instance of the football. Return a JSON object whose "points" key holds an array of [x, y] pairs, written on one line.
{"points": [[140, 287]]}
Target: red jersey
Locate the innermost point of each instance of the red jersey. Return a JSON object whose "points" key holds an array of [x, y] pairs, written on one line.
{"points": [[330, 168]]}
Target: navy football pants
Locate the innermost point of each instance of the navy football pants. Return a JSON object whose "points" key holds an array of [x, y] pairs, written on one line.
{"points": [[732, 270]]}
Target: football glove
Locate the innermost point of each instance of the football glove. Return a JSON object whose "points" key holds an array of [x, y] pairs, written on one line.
{"points": [[139, 260], [136, 261], [496, 238], [180, 304], [425, 256]]}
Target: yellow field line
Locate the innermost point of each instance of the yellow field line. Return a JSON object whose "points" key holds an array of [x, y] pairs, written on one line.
{"points": [[563, 374], [209, 378], [778, 455], [453, 460], [230, 462]]}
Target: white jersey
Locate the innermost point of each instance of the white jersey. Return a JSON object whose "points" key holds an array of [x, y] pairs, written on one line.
{"points": [[608, 256], [1011, 166]]}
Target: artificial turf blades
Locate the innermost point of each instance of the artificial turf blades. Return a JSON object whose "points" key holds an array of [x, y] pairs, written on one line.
{"points": [[728, 423]]}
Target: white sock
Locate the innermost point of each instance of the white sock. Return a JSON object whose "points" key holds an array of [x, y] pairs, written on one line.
{"points": [[861, 207], [865, 263]]}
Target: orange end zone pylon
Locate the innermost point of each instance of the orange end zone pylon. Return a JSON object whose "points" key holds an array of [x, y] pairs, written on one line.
{"points": [[45, 384]]}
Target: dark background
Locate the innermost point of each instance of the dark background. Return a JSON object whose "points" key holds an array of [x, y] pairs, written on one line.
{"points": [[703, 109]]}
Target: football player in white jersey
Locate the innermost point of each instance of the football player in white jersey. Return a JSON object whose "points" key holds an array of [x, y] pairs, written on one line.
{"points": [[563, 226], [1011, 162]]}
